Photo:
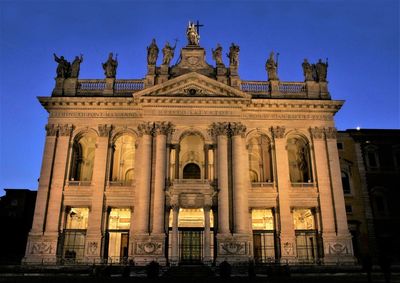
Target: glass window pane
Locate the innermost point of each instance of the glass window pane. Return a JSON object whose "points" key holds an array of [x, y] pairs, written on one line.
{"points": [[120, 219], [262, 219], [77, 218], [303, 219]]}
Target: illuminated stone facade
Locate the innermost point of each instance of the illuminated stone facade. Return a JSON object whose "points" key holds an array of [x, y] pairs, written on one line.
{"points": [[190, 165]]}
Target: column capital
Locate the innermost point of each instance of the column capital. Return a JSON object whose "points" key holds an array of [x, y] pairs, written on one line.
{"points": [[330, 133], [237, 129], [163, 128], [278, 132], [104, 130], [145, 128], [51, 130], [219, 129], [65, 129], [317, 133]]}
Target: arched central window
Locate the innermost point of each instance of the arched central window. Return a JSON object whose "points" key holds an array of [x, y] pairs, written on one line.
{"points": [[299, 160], [123, 160], [260, 159], [82, 160], [191, 171]]}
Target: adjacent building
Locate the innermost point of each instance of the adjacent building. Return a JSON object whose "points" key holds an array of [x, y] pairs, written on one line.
{"points": [[190, 165]]}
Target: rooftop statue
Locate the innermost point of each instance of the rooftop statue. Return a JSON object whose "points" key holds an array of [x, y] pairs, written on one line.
{"points": [[307, 70], [110, 66], [63, 68], [76, 65], [152, 53], [234, 55], [192, 34], [217, 55], [168, 52], [322, 70], [272, 67]]}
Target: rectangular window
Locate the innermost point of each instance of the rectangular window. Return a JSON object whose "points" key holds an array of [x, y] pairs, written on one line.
{"points": [[263, 235], [372, 162], [349, 209], [307, 246], [340, 145]]}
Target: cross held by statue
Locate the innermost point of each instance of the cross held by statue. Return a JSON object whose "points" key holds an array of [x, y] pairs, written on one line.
{"points": [[198, 25]]}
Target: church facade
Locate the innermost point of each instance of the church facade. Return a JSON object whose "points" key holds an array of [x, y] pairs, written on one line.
{"points": [[190, 165]]}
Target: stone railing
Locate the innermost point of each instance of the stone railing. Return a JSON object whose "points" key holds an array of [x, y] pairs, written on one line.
{"points": [[91, 85], [292, 87], [128, 85], [259, 87]]}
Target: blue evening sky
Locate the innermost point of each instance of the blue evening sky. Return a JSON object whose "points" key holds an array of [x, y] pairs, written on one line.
{"points": [[360, 38]]}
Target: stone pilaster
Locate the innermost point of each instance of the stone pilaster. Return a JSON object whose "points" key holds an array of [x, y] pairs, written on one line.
{"points": [[286, 233], [324, 182], [70, 86], [59, 88], [94, 230], [339, 248], [56, 187], [36, 239]]}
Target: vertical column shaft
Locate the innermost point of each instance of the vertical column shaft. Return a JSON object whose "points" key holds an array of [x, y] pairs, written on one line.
{"points": [[206, 146], [177, 149], [223, 194], [175, 242], [207, 234], [241, 179], [143, 164]]}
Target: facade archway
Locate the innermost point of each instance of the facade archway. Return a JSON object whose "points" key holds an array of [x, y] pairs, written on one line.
{"points": [[298, 150], [82, 158]]}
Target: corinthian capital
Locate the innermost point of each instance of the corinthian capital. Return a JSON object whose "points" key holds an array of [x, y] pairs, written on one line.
{"points": [[146, 128], [65, 129], [317, 132], [278, 132], [104, 130], [163, 128], [219, 129], [51, 130], [330, 133], [237, 129]]}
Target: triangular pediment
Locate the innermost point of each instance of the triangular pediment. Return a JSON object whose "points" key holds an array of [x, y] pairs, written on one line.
{"points": [[192, 85]]}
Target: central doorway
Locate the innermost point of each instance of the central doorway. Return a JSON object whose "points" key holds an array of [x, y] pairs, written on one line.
{"points": [[191, 245]]}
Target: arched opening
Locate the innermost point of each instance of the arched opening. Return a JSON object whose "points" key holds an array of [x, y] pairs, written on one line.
{"points": [[123, 160], [191, 171], [82, 159], [260, 161], [191, 156], [299, 160]]}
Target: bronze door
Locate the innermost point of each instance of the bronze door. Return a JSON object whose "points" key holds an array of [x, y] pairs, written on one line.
{"points": [[191, 247]]}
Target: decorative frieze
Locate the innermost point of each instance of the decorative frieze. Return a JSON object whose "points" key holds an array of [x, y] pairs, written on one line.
{"points": [[232, 248], [278, 132], [149, 248], [237, 129], [51, 130], [330, 133], [104, 130], [41, 248], [317, 132], [65, 129]]}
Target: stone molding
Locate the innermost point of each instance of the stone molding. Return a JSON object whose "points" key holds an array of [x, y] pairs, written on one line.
{"points": [[330, 133], [105, 130], [278, 132], [317, 132]]}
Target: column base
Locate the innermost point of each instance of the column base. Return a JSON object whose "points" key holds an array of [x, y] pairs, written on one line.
{"points": [[148, 248], [93, 249], [41, 249], [288, 249], [338, 249], [233, 248]]}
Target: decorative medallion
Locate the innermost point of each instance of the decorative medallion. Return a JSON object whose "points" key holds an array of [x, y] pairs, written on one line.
{"points": [[148, 248], [233, 248]]}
